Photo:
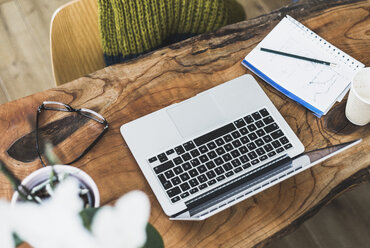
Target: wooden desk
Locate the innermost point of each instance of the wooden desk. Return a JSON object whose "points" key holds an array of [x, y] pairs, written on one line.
{"points": [[125, 92]]}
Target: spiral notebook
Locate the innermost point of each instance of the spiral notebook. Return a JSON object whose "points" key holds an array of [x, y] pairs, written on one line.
{"points": [[313, 85]]}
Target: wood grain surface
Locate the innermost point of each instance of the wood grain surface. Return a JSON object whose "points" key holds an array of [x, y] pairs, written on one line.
{"points": [[127, 91]]}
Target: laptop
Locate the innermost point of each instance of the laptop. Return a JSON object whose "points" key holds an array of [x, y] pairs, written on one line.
{"points": [[209, 152]]}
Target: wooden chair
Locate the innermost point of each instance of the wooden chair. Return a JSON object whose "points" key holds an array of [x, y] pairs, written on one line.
{"points": [[75, 41]]}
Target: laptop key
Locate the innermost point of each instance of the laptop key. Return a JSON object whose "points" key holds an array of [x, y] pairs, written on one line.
{"points": [[252, 155], [259, 142], [239, 123], [268, 120], [251, 146], [218, 161], [185, 186], [186, 156], [175, 199], [175, 181], [244, 139], [228, 147], [228, 138], [178, 160], [195, 153], [210, 174], [173, 192], [169, 152], [202, 178], [219, 170], [189, 145], [162, 178], [267, 138], [244, 159], [246, 166], [251, 127], [194, 190], [243, 131], [237, 170], [287, 146], [186, 166], [162, 157], [194, 162], [179, 150], [220, 141], [213, 181], [260, 132], [284, 140], [235, 134], [248, 119], [260, 124], [163, 167], [236, 143], [167, 185], [227, 166], [264, 112], [226, 157], [193, 182], [203, 186], [277, 134], [193, 173], [202, 169], [211, 145], [203, 149], [256, 116], [220, 178], [210, 165], [279, 150], [252, 136], [276, 144], [153, 159], [184, 177], [236, 162], [263, 157], [169, 174], [229, 174], [214, 134], [270, 154], [184, 195], [243, 149], [220, 151], [260, 151], [178, 170], [203, 158], [235, 153], [256, 161], [268, 147], [271, 127], [212, 154]]}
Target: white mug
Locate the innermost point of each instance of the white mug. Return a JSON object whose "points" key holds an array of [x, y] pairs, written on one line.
{"points": [[358, 103]]}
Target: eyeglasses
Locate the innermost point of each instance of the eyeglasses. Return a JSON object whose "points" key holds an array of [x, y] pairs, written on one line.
{"points": [[57, 106]]}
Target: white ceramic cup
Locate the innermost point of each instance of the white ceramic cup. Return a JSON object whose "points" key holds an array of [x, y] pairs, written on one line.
{"points": [[358, 103], [43, 174]]}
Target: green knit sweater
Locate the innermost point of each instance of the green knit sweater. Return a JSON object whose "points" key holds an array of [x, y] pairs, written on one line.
{"points": [[130, 28]]}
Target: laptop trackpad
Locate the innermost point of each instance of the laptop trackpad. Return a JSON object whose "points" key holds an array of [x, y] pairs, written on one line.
{"points": [[196, 115]]}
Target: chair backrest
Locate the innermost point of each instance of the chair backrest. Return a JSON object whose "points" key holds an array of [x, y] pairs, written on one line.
{"points": [[75, 41]]}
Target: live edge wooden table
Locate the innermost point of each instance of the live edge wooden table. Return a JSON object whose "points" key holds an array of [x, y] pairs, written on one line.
{"points": [[124, 92]]}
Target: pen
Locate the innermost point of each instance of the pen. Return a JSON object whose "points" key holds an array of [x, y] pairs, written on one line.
{"points": [[297, 56]]}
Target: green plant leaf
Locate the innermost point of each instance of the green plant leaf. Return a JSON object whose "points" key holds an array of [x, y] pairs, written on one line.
{"points": [[154, 239], [17, 240]]}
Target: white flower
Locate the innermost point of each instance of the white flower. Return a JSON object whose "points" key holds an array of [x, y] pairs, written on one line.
{"points": [[6, 230], [56, 222], [125, 224]]}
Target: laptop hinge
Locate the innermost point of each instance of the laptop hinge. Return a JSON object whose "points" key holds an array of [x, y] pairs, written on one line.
{"points": [[235, 186]]}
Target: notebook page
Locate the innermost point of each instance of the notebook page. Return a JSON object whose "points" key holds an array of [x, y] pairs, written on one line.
{"points": [[317, 84]]}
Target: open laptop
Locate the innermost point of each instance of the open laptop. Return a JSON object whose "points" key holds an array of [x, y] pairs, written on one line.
{"points": [[209, 152]]}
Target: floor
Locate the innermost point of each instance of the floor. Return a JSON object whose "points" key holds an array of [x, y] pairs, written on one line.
{"points": [[25, 69]]}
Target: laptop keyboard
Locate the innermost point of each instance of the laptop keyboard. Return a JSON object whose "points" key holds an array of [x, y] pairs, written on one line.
{"points": [[213, 157]]}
